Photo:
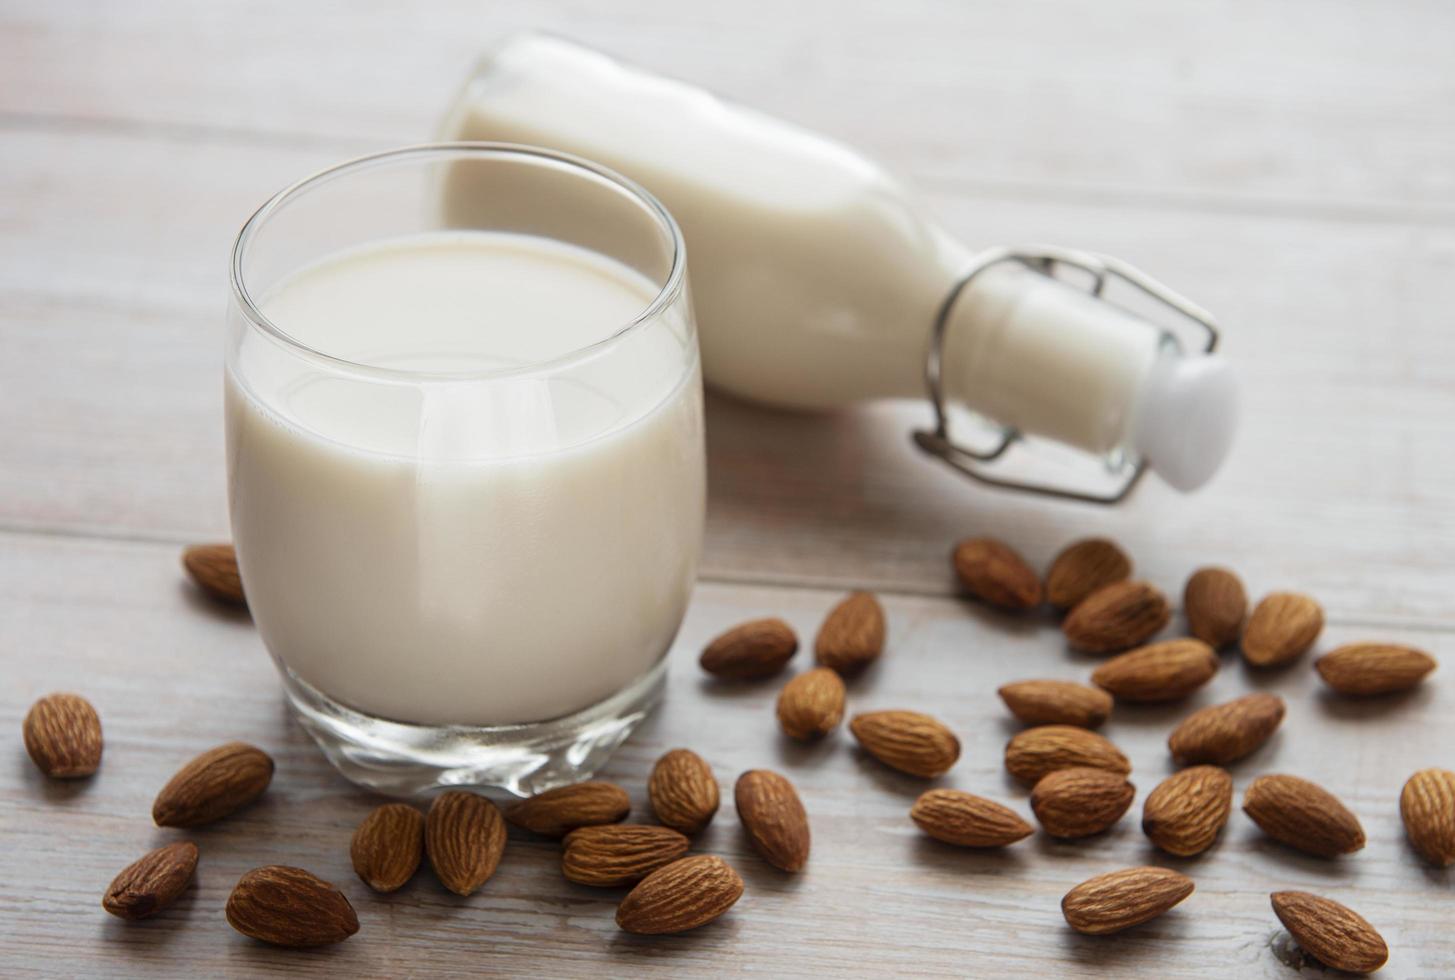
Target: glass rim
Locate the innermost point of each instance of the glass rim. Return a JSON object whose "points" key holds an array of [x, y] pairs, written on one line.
{"points": [[666, 294]]}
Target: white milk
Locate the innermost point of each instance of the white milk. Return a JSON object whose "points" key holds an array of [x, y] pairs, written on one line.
{"points": [[455, 551]]}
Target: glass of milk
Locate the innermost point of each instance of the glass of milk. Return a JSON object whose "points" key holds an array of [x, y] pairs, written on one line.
{"points": [[465, 459]]}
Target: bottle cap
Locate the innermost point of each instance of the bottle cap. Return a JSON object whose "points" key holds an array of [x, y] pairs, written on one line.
{"points": [[1186, 418]]}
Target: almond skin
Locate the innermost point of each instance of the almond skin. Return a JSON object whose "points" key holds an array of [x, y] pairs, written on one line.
{"points": [[1082, 568], [908, 741], [1116, 617], [683, 791], [685, 894], [1282, 627], [1227, 732], [1186, 811], [465, 838], [151, 883], [748, 651], [965, 820], [214, 568], [852, 637], [1427, 807], [773, 816], [1163, 671], [1216, 606], [388, 846], [290, 907], [1121, 899], [994, 572], [619, 854], [1365, 669], [1048, 702], [1331, 933], [1080, 802], [1303, 815], [557, 812], [63, 736], [1035, 752], [215, 784], [812, 704]]}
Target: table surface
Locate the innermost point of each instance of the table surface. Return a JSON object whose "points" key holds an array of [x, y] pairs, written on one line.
{"points": [[1290, 165]]}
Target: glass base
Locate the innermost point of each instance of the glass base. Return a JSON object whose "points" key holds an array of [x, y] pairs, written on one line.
{"points": [[402, 760]]}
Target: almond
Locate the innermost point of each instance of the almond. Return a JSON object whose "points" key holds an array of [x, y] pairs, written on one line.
{"points": [[619, 854], [1184, 814], [556, 812], [812, 704], [290, 907], [1374, 668], [1282, 627], [388, 846], [1227, 732], [465, 837], [683, 791], [751, 650], [773, 816], [1121, 899], [1160, 672], [1082, 568], [966, 820], [216, 783], [63, 736], [993, 571], [214, 568], [908, 741], [1080, 802], [1331, 933], [1033, 753], [685, 894], [151, 883], [1303, 815], [1427, 806], [1116, 617], [852, 637], [1044, 702], [1216, 605]]}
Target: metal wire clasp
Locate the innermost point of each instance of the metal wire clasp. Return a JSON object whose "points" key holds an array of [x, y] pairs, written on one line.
{"points": [[1045, 260]]}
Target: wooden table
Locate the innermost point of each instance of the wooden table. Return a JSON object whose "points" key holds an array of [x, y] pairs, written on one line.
{"points": [[1292, 166]]}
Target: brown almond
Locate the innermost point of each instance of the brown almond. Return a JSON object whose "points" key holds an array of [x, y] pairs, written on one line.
{"points": [[773, 816], [1427, 807], [1216, 606], [1033, 753], [993, 571], [151, 883], [1082, 568], [557, 812], [1188, 809], [852, 637], [1331, 933], [214, 568], [1282, 627], [1116, 617], [1080, 802], [1303, 815], [760, 648], [1047, 702], [812, 704], [967, 820], [683, 791], [388, 846], [1373, 668], [63, 736], [1159, 672], [619, 854], [908, 741], [1224, 733], [1121, 899], [290, 907], [215, 784], [685, 894], [464, 836]]}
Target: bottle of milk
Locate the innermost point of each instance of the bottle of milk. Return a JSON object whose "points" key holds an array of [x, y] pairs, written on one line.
{"points": [[817, 283]]}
